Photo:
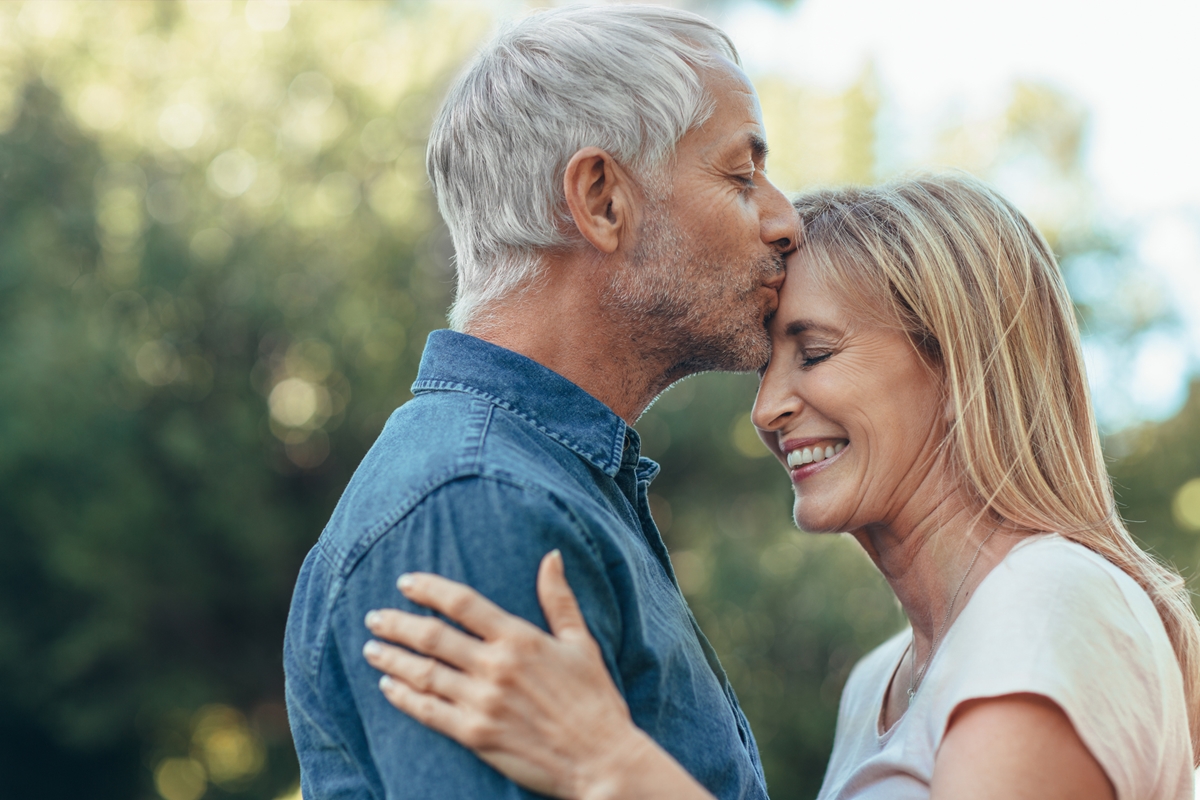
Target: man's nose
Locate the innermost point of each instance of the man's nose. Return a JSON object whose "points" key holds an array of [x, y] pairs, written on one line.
{"points": [[780, 223]]}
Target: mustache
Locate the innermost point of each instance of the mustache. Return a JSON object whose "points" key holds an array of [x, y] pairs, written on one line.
{"points": [[767, 268], [772, 266]]}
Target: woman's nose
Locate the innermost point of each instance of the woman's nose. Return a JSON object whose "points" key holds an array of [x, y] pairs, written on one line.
{"points": [[774, 406]]}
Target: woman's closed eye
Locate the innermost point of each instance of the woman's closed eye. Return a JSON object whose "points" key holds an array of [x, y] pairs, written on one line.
{"points": [[810, 358]]}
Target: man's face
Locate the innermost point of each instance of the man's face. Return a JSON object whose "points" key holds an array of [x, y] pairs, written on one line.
{"points": [[707, 264]]}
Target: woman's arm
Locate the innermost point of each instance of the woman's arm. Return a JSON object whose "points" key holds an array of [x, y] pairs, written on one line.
{"points": [[542, 709], [1015, 747]]}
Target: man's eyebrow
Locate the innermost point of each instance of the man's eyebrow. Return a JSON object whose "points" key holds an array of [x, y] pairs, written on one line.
{"points": [[758, 147], [797, 327]]}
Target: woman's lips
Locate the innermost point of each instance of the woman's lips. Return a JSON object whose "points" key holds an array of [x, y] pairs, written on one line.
{"points": [[806, 457], [814, 451]]}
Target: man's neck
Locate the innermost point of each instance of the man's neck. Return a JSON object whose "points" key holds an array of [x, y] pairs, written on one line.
{"points": [[564, 327]]}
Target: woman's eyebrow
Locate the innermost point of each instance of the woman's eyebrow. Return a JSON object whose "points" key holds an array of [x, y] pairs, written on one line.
{"points": [[797, 327]]}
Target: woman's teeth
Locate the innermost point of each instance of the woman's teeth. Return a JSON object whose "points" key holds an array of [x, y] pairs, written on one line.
{"points": [[811, 454]]}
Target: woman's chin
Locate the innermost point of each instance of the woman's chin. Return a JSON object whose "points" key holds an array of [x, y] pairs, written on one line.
{"points": [[810, 520]]}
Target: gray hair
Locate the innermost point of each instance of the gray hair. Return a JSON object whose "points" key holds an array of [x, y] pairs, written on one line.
{"points": [[621, 78]]}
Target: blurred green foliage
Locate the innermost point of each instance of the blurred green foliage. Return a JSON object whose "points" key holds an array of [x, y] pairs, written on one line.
{"points": [[218, 264], [219, 261]]}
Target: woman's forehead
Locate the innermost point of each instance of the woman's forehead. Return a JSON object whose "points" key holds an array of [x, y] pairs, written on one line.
{"points": [[810, 279], [823, 288]]}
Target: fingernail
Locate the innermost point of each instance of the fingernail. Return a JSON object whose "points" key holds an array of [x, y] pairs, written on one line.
{"points": [[372, 648], [556, 553], [372, 618], [386, 682], [405, 581]]}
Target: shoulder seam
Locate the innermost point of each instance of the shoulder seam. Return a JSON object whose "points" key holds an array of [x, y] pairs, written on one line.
{"points": [[449, 386], [338, 743], [464, 467], [1089, 557], [366, 542]]}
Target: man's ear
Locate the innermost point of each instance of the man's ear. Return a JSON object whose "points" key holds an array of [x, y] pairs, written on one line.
{"points": [[601, 197]]}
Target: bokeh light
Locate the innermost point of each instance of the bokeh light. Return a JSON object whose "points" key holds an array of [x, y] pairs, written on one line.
{"points": [[180, 779], [746, 439], [1187, 505], [229, 750]]}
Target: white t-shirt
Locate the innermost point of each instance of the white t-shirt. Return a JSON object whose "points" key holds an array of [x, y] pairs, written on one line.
{"points": [[1054, 619]]}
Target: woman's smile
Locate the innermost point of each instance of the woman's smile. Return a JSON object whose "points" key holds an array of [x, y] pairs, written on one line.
{"points": [[845, 393], [808, 456]]}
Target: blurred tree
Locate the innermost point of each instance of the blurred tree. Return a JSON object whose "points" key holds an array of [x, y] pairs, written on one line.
{"points": [[218, 265], [1157, 481], [1034, 151], [820, 137]]}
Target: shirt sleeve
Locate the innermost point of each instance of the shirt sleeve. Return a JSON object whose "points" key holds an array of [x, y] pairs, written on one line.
{"points": [[1055, 622], [491, 535]]}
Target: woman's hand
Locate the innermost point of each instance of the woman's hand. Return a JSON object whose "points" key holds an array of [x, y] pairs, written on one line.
{"points": [[541, 709]]}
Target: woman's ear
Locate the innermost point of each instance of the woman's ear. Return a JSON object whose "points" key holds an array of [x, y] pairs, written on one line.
{"points": [[949, 413], [601, 198]]}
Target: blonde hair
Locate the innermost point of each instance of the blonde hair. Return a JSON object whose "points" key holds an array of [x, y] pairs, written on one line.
{"points": [[978, 291]]}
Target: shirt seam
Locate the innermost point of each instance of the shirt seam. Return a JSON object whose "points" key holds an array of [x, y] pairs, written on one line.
{"points": [[337, 743], [1086, 735], [610, 464]]}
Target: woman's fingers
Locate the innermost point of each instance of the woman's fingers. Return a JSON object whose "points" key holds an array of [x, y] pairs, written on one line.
{"points": [[427, 635], [557, 600], [425, 675], [541, 708], [460, 603], [427, 709]]}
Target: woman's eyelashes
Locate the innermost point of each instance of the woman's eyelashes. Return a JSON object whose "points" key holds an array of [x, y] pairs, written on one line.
{"points": [[809, 358]]}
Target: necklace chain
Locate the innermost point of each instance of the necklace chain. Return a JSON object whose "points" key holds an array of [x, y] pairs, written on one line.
{"points": [[915, 677]]}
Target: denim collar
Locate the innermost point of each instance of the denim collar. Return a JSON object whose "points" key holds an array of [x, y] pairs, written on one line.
{"points": [[554, 405]]}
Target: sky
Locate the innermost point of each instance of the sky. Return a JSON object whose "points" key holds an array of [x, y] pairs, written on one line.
{"points": [[1136, 67], [1137, 72]]}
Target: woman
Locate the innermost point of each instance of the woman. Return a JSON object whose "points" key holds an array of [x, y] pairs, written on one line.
{"points": [[926, 393]]}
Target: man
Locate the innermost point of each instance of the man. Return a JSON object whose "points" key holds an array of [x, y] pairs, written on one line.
{"points": [[601, 172]]}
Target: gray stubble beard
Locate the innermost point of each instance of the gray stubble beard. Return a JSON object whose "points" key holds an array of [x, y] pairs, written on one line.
{"points": [[666, 321]]}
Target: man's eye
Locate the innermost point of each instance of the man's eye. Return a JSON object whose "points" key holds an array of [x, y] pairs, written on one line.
{"points": [[746, 176]]}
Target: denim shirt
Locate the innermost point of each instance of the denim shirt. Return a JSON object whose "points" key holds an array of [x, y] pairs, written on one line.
{"points": [[494, 462]]}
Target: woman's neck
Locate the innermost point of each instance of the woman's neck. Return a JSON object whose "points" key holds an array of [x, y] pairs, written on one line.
{"points": [[934, 552], [933, 562]]}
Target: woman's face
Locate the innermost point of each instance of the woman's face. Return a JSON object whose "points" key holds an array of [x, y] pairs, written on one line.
{"points": [[850, 408]]}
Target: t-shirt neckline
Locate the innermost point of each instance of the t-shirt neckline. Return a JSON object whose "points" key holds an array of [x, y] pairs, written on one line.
{"points": [[884, 736]]}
